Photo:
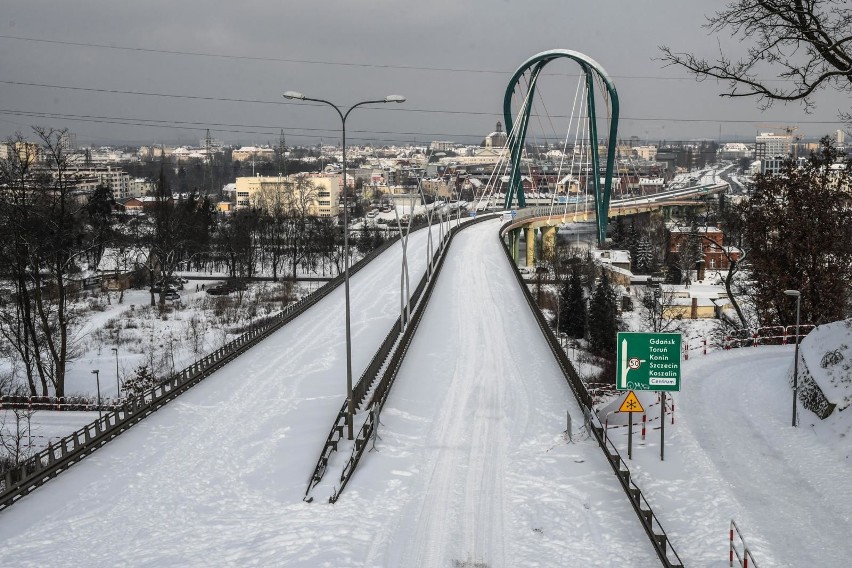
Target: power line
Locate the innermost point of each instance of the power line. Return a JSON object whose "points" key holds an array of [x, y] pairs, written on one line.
{"points": [[306, 132], [394, 109], [302, 61]]}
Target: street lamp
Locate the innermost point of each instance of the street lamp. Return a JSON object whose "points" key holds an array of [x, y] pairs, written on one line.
{"points": [[117, 383], [96, 373], [798, 295], [293, 95]]}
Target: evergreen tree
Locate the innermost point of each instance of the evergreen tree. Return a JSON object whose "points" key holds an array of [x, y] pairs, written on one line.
{"points": [[618, 233], [141, 380], [632, 244], [572, 306], [644, 263], [603, 317]]}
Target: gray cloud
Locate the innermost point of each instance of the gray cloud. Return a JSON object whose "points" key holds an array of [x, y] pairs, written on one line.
{"points": [[357, 49]]}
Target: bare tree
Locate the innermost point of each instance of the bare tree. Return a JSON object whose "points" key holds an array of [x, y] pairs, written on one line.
{"points": [[15, 437], [180, 231], [653, 311], [43, 238], [805, 43]]}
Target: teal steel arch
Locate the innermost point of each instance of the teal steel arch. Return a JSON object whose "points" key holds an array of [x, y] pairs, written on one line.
{"points": [[517, 139]]}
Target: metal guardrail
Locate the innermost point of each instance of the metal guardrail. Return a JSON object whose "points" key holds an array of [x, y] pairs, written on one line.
{"points": [[47, 464], [657, 535]]}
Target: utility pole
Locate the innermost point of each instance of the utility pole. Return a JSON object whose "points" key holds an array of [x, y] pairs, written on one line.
{"points": [[207, 145], [282, 150]]}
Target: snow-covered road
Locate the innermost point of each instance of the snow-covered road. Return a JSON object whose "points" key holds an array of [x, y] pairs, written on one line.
{"points": [[733, 454], [472, 455]]}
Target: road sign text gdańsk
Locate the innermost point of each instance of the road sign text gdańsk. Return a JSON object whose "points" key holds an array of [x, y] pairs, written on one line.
{"points": [[648, 361]]}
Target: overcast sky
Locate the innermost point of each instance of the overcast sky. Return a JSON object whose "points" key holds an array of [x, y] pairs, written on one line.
{"points": [[228, 62]]}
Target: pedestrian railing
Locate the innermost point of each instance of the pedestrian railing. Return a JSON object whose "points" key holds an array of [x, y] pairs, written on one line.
{"points": [[770, 335]]}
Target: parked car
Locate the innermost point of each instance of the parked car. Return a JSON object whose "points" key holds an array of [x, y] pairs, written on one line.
{"points": [[218, 290], [173, 282], [172, 296]]}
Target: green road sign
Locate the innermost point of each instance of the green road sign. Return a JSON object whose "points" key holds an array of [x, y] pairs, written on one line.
{"points": [[648, 361]]}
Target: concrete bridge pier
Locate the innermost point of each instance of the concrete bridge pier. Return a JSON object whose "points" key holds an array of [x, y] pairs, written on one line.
{"points": [[514, 237], [530, 246], [548, 242]]}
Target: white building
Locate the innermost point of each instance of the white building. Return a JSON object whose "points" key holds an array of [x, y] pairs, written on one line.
{"points": [[257, 190], [116, 179], [771, 150]]}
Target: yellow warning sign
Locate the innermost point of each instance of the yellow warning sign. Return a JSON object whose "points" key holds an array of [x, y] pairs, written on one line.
{"points": [[631, 404]]}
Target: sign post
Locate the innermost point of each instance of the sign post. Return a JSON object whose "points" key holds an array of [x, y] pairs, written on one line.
{"points": [[663, 427], [648, 361], [630, 405]]}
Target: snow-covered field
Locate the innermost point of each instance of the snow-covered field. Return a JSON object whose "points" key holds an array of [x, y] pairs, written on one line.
{"points": [[471, 468]]}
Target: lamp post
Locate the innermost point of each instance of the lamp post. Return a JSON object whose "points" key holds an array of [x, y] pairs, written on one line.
{"points": [[96, 373], [798, 295], [117, 382], [293, 95]]}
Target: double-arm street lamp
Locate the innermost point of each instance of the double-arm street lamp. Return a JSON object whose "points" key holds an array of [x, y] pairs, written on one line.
{"points": [[293, 95], [798, 295]]}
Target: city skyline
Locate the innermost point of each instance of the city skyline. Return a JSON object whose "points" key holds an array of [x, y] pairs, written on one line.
{"points": [[165, 73]]}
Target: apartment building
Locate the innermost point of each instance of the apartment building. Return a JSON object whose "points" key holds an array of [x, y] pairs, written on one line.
{"points": [[771, 150], [323, 200], [116, 179]]}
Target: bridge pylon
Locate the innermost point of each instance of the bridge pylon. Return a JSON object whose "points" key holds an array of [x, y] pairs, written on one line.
{"points": [[518, 133]]}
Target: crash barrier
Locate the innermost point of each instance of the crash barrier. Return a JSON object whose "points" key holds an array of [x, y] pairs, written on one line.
{"points": [[394, 346], [70, 403], [770, 335], [657, 535], [738, 549], [47, 464]]}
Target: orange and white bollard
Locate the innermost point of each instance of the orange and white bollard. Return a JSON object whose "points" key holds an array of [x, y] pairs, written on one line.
{"points": [[644, 417]]}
